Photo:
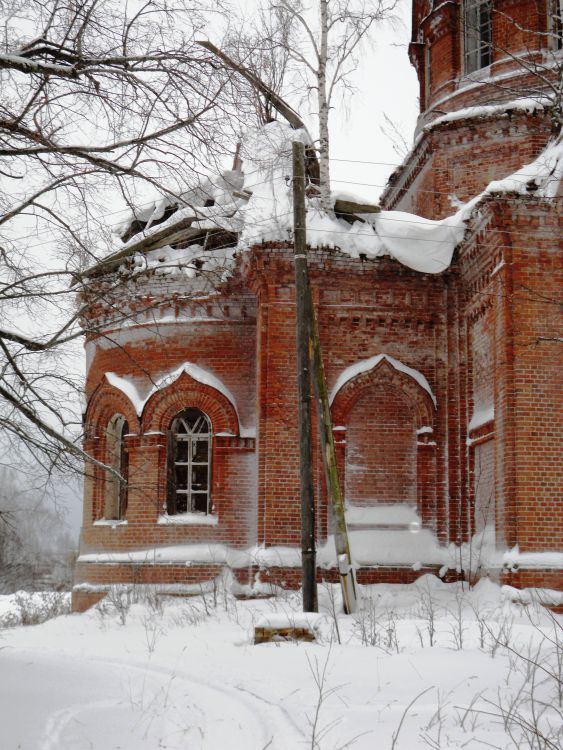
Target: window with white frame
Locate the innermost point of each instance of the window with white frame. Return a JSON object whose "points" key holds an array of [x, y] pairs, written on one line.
{"points": [[189, 463], [477, 35]]}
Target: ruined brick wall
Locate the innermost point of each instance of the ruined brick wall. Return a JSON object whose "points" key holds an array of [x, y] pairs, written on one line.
{"points": [[219, 337], [365, 309], [509, 409], [483, 334], [457, 160]]}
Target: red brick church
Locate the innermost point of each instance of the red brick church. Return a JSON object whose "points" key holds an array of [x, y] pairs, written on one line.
{"points": [[445, 380]]}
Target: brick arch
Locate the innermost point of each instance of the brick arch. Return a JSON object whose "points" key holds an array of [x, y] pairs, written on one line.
{"points": [[384, 374], [106, 402], [163, 406], [381, 410]]}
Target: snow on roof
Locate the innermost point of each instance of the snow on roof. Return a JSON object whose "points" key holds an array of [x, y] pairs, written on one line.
{"points": [[139, 392], [209, 192], [542, 177], [257, 205], [421, 244], [364, 365], [522, 104]]}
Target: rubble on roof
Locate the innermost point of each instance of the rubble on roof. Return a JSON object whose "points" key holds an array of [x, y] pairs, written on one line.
{"points": [[203, 229]]}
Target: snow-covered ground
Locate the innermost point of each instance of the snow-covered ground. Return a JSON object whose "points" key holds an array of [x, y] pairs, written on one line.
{"points": [[423, 666]]}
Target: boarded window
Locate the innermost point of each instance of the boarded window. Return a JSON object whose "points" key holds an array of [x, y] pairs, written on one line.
{"points": [[189, 463]]}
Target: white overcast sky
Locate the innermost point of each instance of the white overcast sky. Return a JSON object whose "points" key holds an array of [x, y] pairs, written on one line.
{"points": [[387, 84]]}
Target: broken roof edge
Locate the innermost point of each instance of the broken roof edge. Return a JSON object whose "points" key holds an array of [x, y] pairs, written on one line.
{"points": [[182, 231]]}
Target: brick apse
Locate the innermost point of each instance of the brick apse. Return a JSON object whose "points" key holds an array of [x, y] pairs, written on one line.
{"points": [[445, 388]]}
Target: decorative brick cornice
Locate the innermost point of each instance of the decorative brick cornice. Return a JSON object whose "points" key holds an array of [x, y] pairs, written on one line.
{"points": [[163, 406]]}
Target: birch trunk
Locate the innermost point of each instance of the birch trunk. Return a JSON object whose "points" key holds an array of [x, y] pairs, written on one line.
{"points": [[323, 104]]}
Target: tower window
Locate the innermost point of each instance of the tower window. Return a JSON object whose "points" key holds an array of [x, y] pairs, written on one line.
{"points": [[189, 463], [556, 24], [477, 35]]}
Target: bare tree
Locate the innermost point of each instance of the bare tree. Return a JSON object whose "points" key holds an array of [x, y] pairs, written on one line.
{"points": [[316, 48], [103, 103], [264, 50], [35, 547]]}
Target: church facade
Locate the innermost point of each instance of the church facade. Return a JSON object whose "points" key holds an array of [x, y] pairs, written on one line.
{"points": [[445, 387]]}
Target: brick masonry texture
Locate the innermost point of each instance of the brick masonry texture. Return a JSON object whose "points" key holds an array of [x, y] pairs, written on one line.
{"points": [[485, 334]]}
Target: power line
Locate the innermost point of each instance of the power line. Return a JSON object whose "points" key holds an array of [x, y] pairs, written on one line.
{"points": [[421, 222], [252, 185], [280, 178], [375, 235]]}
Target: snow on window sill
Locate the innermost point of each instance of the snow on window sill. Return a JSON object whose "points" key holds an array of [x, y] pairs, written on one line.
{"points": [[112, 522], [188, 519]]}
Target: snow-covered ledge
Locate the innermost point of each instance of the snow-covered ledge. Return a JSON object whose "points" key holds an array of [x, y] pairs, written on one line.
{"points": [[111, 522], [139, 396], [481, 417], [188, 519], [365, 365]]}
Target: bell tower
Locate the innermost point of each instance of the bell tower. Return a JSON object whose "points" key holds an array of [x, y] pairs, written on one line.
{"points": [[488, 72], [476, 52]]}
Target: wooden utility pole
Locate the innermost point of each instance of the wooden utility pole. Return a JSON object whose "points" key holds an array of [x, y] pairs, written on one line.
{"points": [[303, 308], [334, 489], [309, 357]]}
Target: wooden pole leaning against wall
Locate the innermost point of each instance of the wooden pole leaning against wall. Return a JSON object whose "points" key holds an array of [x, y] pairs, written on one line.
{"points": [[303, 308], [334, 489], [342, 544]]}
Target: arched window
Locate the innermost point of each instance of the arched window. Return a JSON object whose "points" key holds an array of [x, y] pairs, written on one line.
{"points": [[189, 463], [477, 35], [115, 500]]}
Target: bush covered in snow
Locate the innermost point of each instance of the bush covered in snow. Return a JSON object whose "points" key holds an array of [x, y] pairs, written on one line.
{"points": [[26, 608]]}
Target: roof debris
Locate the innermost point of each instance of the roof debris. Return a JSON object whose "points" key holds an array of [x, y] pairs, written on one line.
{"points": [[204, 228]]}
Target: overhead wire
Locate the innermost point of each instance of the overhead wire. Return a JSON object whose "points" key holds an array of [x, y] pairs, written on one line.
{"points": [[421, 221], [257, 184]]}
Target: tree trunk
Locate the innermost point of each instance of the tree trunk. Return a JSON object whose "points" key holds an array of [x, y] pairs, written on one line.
{"points": [[324, 144]]}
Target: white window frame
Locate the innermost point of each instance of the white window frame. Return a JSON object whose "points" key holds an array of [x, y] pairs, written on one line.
{"points": [[191, 426]]}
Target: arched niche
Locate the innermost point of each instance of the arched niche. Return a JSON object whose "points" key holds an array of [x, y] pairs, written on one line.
{"points": [[379, 413]]}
